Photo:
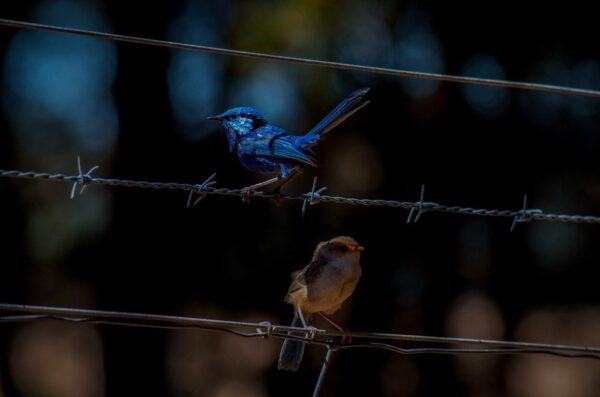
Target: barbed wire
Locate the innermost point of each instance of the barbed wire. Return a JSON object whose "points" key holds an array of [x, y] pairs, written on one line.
{"points": [[313, 197], [305, 61], [332, 340]]}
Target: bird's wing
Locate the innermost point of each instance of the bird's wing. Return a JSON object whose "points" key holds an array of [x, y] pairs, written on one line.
{"points": [[305, 277], [314, 269], [275, 144]]}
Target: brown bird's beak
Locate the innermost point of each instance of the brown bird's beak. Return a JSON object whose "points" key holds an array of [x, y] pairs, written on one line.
{"points": [[215, 118], [354, 248]]}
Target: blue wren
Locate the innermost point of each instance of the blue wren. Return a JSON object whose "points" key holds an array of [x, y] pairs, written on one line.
{"points": [[266, 149]]}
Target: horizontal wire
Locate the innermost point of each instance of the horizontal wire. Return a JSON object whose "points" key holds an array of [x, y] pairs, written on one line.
{"points": [[139, 324], [437, 350], [332, 346], [306, 61], [314, 336], [523, 215]]}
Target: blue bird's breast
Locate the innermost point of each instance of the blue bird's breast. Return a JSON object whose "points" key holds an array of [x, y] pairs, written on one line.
{"points": [[259, 164]]}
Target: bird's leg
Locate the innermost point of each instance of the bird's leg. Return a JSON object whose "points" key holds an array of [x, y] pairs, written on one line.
{"points": [[312, 330], [292, 175], [330, 321], [247, 191], [287, 176], [301, 316], [345, 338]]}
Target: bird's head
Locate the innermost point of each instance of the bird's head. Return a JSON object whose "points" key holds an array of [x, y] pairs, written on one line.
{"points": [[240, 120], [339, 247]]}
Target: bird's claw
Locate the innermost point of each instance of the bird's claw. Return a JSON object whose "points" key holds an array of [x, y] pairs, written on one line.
{"points": [[276, 198], [346, 338], [246, 195], [312, 332]]}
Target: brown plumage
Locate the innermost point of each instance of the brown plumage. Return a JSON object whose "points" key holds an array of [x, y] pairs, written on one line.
{"points": [[321, 287]]}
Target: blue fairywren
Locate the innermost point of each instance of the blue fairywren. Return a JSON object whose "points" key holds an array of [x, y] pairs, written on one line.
{"points": [[267, 149]]}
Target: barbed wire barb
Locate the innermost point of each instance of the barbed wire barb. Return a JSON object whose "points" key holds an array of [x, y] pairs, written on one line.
{"points": [[82, 179], [313, 197], [200, 190], [419, 207], [524, 215]]}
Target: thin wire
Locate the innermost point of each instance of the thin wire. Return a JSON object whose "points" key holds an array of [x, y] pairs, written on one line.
{"points": [[266, 329], [523, 215], [305, 61], [437, 350], [324, 367], [32, 317]]}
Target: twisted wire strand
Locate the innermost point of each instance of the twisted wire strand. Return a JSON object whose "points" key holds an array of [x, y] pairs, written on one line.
{"points": [[426, 206], [327, 338], [305, 61]]}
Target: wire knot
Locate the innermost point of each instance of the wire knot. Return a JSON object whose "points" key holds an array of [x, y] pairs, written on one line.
{"points": [[201, 190], [268, 326], [524, 215], [313, 197], [82, 179]]}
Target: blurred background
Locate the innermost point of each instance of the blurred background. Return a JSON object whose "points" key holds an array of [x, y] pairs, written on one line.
{"points": [[140, 113]]}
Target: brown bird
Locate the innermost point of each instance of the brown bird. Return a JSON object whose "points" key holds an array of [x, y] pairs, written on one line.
{"points": [[321, 287]]}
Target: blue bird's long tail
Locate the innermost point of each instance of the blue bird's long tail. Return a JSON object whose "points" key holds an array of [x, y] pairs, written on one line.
{"points": [[291, 350], [352, 104]]}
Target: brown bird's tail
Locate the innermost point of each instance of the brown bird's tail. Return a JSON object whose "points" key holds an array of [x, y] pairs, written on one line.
{"points": [[291, 350]]}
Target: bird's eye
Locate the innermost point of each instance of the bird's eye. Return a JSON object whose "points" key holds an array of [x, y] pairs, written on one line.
{"points": [[339, 248]]}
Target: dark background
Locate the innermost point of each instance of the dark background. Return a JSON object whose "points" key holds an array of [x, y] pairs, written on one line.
{"points": [[139, 112]]}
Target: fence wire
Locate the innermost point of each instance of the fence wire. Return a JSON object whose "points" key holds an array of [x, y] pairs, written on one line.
{"points": [[315, 196], [332, 339], [305, 61]]}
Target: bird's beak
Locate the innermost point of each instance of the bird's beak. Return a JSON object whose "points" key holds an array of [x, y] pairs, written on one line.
{"points": [[215, 118], [354, 248]]}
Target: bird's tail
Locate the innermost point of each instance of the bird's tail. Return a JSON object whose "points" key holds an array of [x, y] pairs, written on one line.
{"points": [[352, 104], [291, 350]]}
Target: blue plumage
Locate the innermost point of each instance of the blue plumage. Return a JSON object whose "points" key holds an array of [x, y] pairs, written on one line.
{"points": [[267, 149]]}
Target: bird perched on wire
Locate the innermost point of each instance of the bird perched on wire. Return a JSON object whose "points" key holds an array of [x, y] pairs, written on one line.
{"points": [[266, 149], [321, 287]]}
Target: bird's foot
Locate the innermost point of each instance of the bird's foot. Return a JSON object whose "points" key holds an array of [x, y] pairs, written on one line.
{"points": [[346, 338], [276, 199], [276, 193], [246, 194], [312, 332]]}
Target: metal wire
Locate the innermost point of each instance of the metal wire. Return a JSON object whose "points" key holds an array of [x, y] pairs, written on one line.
{"points": [[332, 339], [305, 61], [323, 372], [313, 197]]}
